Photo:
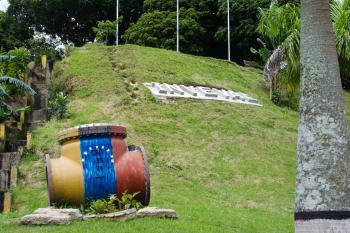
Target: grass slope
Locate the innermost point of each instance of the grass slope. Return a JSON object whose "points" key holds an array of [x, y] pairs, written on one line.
{"points": [[224, 167]]}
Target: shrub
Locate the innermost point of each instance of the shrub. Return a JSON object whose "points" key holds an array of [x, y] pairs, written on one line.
{"points": [[59, 106], [127, 201], [101, 206], [17, 63], [113, 203], [105, 32]]}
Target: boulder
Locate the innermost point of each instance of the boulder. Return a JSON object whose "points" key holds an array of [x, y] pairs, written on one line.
{"points": [[45, 219], [46, 216], [156, 212], [74, 214], [120, 215]]}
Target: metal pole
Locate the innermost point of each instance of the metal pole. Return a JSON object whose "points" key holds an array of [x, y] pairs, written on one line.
{"points": [[177, 27], [117, 29], [228, 31]]}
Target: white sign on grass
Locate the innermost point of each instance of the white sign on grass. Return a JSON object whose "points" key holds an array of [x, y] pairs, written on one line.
{"points": [[163, 91]]}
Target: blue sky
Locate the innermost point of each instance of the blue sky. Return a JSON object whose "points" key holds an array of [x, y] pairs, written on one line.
{"points": [[3, 5]]}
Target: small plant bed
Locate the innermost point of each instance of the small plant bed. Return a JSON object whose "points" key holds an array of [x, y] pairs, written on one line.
{"points": [[113, 208]]}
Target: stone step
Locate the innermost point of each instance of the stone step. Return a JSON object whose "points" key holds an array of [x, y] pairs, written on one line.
{"points": [[35, 125], [4, 181], [39, 115], [9, 159]]}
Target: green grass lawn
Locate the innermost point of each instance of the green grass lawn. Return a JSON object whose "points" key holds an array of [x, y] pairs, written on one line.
{"points": [[223, 167]]}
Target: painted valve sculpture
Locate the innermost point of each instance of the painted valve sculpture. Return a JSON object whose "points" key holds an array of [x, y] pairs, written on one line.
{"points": [[95, 163]]}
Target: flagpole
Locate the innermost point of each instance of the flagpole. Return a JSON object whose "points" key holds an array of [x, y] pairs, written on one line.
{"points": [[117, 27], [177, 27], [228, 31]]}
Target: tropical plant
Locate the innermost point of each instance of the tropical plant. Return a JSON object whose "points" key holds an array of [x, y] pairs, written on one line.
{"points": [[5, 81], [113, 203], [101, 206], [59, 106], [340, 11], [280, 26], [127, 201]]}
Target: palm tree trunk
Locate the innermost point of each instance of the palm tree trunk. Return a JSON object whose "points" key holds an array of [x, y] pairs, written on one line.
{"points": [[323, 157]]}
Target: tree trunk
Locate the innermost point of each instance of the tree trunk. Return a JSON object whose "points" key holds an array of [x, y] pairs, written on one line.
{"points": [[323, 157]]}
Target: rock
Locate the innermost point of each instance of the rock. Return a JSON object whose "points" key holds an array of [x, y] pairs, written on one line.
{"points": [[45, 219], [74, 214], [120, 215], [156, 212], [46, 216]]}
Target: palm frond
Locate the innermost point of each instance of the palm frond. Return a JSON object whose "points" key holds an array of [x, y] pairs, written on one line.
{"points": [[18, 83]]}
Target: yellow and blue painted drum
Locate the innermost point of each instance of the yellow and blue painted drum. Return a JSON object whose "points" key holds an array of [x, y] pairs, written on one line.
{"points": [[95, 163]]}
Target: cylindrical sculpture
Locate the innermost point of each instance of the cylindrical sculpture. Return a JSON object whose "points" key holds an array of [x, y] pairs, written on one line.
{"points": [[95, 162]]}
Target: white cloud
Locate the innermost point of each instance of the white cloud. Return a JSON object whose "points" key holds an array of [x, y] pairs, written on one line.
{"points": [[3, 5]]}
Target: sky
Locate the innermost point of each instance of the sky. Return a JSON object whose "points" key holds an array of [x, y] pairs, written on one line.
{"points": [[3, 5]]}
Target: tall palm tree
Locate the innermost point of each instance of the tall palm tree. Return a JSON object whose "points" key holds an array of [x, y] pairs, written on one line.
{"points": [[323, 156], [281, 26]]}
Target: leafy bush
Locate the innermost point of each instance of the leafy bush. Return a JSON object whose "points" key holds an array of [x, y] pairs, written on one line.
{"points": [[13, 33], [102, 206], [106, 32], [16, 65], [113, 203], [59, 106], [42, 45], [127, 201]]}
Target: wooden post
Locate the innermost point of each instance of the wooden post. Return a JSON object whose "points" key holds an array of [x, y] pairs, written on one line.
{"points": [[44, 61], [7, 203], [22, 125], [29, 139], [13, 177], [2, 137]]}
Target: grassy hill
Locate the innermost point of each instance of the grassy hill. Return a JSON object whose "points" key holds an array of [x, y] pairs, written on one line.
{"points": [[223, 167]]}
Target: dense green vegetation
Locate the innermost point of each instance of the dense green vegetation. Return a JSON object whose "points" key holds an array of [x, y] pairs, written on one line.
{"points": [[279, 27], [151, 22], [13, 33], [223, 167], [12, 69]]}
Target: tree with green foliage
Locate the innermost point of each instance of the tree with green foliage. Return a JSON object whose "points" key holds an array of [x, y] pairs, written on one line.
{"points": [[206, 16], [13, 33], [106, 32], [16, 66], [158, 29], [280, 27], [244, 21], [72, 20]]}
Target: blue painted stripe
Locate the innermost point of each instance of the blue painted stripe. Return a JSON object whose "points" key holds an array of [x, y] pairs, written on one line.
{"points": [[98, 167]]}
